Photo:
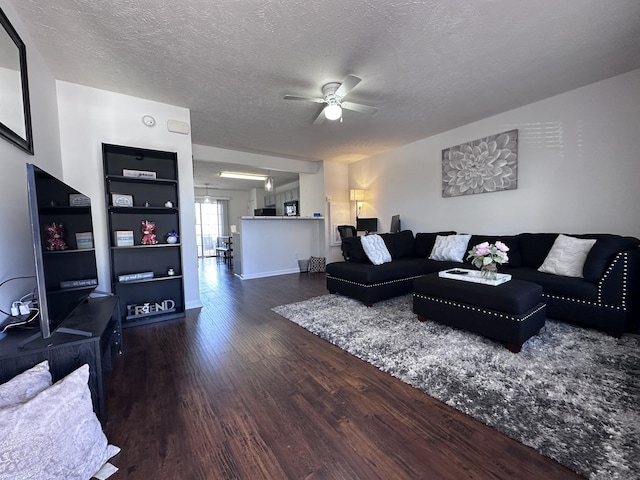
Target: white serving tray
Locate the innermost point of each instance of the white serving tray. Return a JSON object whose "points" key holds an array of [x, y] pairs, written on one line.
{"points": [[473, 276]]}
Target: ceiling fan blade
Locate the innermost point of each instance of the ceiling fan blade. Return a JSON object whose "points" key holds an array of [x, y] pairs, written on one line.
{"points": [[306, 99], [347, 85], [320, 118], [358, 107]]}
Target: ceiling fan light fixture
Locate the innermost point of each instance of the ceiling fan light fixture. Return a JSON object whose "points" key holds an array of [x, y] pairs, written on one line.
{"points": [[333, 111]]}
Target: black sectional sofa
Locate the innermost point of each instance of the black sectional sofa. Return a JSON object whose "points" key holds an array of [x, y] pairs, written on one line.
{"points": [[607, 298]]}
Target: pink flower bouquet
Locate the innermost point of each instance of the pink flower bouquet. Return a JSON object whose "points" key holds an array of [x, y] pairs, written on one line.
{"points": [[486, 253]]}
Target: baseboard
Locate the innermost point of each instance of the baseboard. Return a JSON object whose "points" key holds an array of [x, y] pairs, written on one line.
{"points": [[269, 274], [193, 304]]}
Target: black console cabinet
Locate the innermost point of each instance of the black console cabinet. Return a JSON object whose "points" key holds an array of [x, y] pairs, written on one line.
{"points": [[97, 316], [142, 185]]}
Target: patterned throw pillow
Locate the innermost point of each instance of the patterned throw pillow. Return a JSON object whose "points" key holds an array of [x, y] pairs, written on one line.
{"points": [[317, 264], [26, 385], [567, 256], [376, 249], [450, 248], [54, 434]]}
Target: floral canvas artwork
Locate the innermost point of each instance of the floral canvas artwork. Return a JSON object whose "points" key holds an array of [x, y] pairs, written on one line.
{"points": [[488, 164]]}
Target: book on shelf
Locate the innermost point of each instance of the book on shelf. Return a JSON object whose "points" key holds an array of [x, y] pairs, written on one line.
{"points": [[84, 240], [124, 238], [138, 174], [130, 277], [88, 282]]}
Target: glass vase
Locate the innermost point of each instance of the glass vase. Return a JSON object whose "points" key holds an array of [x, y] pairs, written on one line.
{"points": [[489, 271]]}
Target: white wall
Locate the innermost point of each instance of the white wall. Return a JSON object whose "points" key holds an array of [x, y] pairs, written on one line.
{"points": [[312, 198], [272, 245], [578, 169], [90, 117], [15, 242]]}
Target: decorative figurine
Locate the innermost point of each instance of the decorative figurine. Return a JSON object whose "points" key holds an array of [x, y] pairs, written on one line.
{"points": [[148, 233], [172, 237], [147, 204], [168, 204], [171, 272], [55, 241]]}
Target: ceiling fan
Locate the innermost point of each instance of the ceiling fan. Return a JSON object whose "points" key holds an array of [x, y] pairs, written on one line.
{"points": [[333, 94]]}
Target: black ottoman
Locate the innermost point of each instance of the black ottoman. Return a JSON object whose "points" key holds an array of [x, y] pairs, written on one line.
{"points": [[510, 313]]}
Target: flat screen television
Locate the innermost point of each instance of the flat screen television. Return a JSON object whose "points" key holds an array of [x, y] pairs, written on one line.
{"points": [[66, 270], [368, 225]]}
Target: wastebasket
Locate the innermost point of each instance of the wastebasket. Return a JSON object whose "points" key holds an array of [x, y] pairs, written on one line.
{"points": [[303, 265]]}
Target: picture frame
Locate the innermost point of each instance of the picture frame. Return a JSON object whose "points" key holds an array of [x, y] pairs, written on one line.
{"points": [[84, 240], [484, 165], [335, 238], [79, 200], [291, 208], [124, 238], [15, 116], [121, 200]]}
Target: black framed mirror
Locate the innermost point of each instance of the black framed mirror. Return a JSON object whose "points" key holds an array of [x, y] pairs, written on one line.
{"points": [[15, 111]]}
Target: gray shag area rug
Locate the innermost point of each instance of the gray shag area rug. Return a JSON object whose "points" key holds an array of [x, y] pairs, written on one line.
{"points": [[573, 394]]}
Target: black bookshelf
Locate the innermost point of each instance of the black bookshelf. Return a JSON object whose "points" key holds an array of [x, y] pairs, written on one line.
{"points": [[145, 184]]}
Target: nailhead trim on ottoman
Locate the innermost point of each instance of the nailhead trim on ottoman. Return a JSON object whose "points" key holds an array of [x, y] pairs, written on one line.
{"points": [[511, 328]]}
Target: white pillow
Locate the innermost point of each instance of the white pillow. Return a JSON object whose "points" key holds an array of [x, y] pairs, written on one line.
{"points": [[450, 247], [26, 385], [375, 249], [55, 434], [567, 256]]}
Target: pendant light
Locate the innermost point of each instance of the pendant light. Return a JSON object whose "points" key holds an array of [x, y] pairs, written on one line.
{"points": [[268, 182], [207, 198]]}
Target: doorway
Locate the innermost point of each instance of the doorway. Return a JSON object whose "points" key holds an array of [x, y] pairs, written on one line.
{"points": [[211, 223]]}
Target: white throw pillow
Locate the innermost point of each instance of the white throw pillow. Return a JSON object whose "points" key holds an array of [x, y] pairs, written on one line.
{"points": [[26, 385], [567, 256], [55, 434], [450, 247], [376, 249]]}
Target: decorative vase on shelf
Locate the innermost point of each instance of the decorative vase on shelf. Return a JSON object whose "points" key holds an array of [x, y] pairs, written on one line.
{"points": [[172, 237], [489, 271]]}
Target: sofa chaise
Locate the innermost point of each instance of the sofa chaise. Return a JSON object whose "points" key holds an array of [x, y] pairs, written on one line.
{"points": [[606, 297]]}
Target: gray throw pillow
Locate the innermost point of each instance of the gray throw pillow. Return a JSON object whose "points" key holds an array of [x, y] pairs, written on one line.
{"points": [[54, 435], [567, 256], [26, 385], [450, 248]]}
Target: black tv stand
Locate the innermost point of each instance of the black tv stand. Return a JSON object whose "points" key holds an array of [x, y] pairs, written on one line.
{"points": [[73, 331], [70, 331], [92, 335]]}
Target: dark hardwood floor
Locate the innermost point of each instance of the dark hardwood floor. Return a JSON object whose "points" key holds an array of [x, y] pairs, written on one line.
{"points": [[235, 391]]}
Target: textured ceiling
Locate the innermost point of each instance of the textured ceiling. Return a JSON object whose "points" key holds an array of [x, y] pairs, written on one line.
{"points": [[428, 66]]}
